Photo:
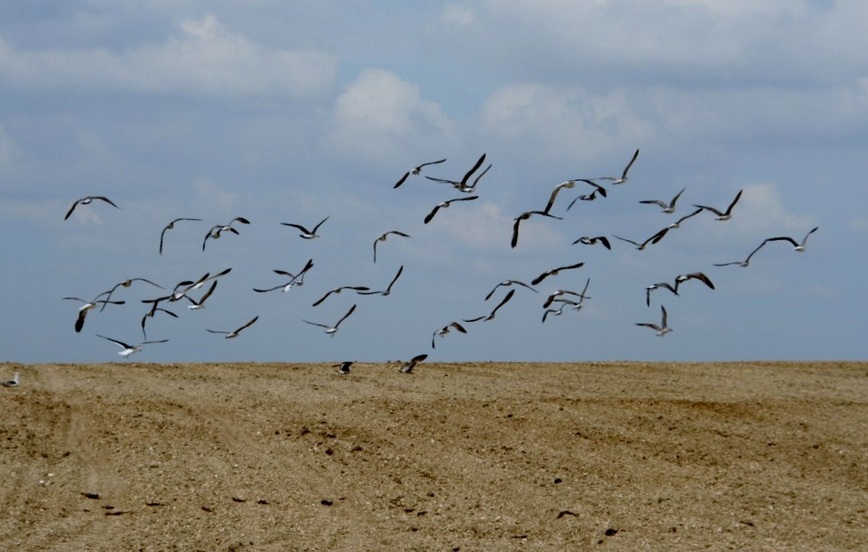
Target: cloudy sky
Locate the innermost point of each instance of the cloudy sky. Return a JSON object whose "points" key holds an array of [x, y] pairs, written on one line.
{"points": [[295, 111]]}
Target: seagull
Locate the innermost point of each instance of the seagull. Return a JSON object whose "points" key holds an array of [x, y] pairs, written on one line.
{"points": [[556, 296], [151, 313], [744, 263], [658, 285], [170, 226], [623, 177], [217, 229], [127, 283], [188, 286], [445, 204], [678, 222], [13, 382], [663, 328], [416, 171], [127, 350], [331, 330], [388, 290], [568, 184], [725, 215], [86, 201], [305, 233], [463, 186], [681, 278], [524, 216], [407, 367], [296, 279], [508, 283], [490, 316], [576, 305], [338, 290], [588, 197], [230, 335], [587, 240], [386, 235], [88, 305], [799, 247], [554, 272], [344, 367], [667, 207], [200, 304], [445, 330], [653, 239]]}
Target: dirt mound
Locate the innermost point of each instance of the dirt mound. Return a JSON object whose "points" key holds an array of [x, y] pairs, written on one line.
{"points": [[476, 456]]}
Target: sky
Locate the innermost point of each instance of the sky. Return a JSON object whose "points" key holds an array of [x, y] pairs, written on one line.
{"points": [[297, 111]]}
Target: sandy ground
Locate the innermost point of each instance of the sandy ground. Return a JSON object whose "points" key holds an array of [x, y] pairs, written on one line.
{"points": [[476, 456]]}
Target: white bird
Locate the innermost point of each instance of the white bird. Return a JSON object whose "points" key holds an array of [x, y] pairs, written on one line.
{"points": [[554, 272], [663, 328], [508, 283], [666, 207], [799, 247], [305, 233], [296, 280], [445, 330], [408, 366], [569, 184], [745, 263], [88, 305], [723, 215], [170, 226], [490, 316], [200, 304], [383, 238], [623, 178], [230, 335], [388, 290], [150, 314], [561, 292], [463, 186], [415, 171], [445, 204], [343, 367], [86, 201], [13, 382], [216, 230], [681, 278], [127, 350], [332, 330], [658, 285], [524, 216], [183, 288], [652, 240], [127, 283], [588, 240], [338, 290], [588, 197], [678, 222]]}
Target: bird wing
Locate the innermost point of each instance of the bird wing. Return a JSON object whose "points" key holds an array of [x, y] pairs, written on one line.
{"points": [[71, 209], [473, 170], [401, 181], [344, 317], [255, 318]]}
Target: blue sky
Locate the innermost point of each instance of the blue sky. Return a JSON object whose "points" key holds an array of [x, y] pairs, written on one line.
{"points": [[294, 111]]}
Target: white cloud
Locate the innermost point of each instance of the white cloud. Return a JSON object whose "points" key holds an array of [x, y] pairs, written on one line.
{"points": [[458, 15], [206, 58], [378, 108]]}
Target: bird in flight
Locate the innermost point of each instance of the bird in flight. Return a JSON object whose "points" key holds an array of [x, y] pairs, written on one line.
{"points": [[338, 290], [661, 329], [463, 186], [216, 230], [127, 350], [305, 233], [508, 283], [623, 178], [658, 285], [666, 207], [554, 272], [524, 216], [388, 290], [652, 240], [200, 304], [408, 366], [295, 279], [383, 237], [723, 215], [230, 335], [127, 283], [799, 246], [170, 226], [87, 201], [343, 367], [445, 330], [416, 170], [490, 316], [587, 240], [89, 305], [745, 263], [444, 204], [332, 330], [588, 197]]}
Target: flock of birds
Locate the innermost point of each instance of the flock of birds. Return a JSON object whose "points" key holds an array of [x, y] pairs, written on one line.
{"points": [[193, 293]]}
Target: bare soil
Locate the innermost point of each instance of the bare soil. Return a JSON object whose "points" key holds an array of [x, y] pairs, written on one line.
{"points": [[472, 456]]}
